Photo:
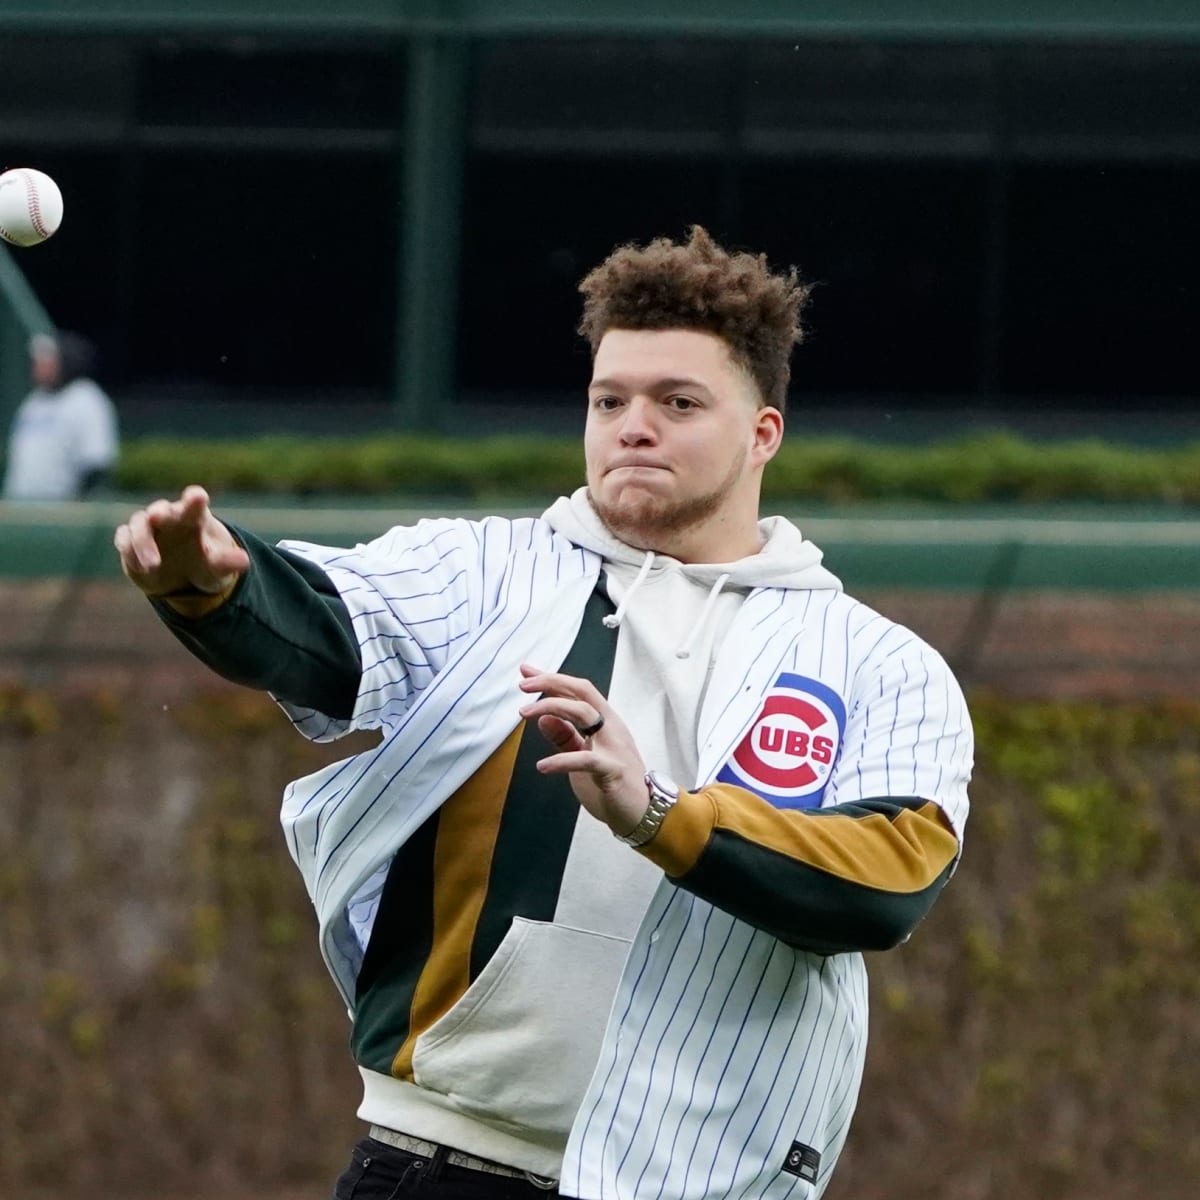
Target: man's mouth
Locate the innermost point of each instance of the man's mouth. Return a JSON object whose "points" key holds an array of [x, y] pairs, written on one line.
{"points": [[637, 466]]}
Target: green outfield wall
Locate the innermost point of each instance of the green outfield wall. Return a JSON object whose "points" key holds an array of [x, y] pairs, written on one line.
{"points": [[979, 550]]}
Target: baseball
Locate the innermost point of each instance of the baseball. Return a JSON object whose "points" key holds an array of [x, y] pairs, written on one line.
{"points": [[31, 206]]}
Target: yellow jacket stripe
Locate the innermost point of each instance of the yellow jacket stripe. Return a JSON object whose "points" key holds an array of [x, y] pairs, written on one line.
{"points": [[468, 827], [872, 867]]}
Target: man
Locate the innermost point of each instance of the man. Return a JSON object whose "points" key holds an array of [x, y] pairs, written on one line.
{"points": [[678, 1010], [63, 440]]}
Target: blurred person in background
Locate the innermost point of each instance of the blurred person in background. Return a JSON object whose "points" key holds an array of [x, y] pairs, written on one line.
{"points": [[63, 441], [566, 972]]}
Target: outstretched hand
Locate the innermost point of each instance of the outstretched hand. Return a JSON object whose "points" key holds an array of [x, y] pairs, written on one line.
{"points": [[605, 768], [172, 545]]}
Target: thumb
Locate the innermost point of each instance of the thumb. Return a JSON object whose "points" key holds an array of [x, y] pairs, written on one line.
{"points": [[221, 550], [227, 559]]}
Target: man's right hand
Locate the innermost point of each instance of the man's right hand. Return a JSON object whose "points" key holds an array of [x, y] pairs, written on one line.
{"points": [[173, 546]]}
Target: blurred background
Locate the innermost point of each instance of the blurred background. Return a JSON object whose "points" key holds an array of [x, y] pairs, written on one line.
{"points": [[370, 218], [281, 212]]}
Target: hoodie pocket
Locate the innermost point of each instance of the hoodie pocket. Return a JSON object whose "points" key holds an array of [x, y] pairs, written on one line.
{"points": [[519, 1047]]}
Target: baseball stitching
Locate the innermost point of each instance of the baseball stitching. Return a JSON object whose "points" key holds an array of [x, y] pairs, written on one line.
{"points": [[32, 206]]}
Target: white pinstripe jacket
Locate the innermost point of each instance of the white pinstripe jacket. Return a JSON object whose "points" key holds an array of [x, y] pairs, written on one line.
{"points": [[726, 1049]]}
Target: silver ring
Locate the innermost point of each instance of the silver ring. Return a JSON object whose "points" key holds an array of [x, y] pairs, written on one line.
{"points": [[591, 730]]}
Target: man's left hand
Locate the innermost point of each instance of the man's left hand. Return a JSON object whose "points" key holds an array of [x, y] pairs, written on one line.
{"points": [[605, 768]]}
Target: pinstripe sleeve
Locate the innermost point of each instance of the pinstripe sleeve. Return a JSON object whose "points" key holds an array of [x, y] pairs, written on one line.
{"points": [[414, 596], [908, 732], [347, 638], [860, 873]]}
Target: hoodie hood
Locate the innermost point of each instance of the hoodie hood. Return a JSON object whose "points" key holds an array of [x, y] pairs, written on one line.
{"points": [[786, 560]]}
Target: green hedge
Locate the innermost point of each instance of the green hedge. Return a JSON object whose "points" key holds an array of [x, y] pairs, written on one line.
{"points": [[992, 467]]}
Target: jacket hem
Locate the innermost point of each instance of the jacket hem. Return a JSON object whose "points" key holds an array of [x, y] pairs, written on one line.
{"points": [[405, 1108]]}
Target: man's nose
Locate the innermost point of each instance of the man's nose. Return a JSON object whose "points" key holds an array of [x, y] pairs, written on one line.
{"points": [[637, 428]]}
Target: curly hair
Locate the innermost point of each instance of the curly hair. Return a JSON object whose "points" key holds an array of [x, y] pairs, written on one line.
{"points": [[701, 286]]}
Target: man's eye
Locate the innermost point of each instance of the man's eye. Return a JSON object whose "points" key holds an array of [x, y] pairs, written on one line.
{"points": [[607, 403], [682, 403]]}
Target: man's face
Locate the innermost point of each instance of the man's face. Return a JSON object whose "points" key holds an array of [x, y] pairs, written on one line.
{"points": [[44, 367], [675, 443]]}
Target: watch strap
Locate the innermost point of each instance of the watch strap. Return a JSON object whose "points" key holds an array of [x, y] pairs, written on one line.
{"points": [[663, 796]]}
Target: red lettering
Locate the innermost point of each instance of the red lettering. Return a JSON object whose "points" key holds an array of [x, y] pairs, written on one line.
{"points": [[822, 749], [770, 738], [797, 743]]}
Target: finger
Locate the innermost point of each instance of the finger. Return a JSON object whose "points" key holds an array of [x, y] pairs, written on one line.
{"points": [[579, 713], [534, 680], [569, 762], [194, 494], [189, 511], [194, 504], [557, 684], [529, 676], [562, 735], [142, 546], [162, 512], [121, 540]]}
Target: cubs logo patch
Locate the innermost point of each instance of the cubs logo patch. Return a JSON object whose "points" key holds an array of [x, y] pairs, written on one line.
{"points": [[788, 752]]}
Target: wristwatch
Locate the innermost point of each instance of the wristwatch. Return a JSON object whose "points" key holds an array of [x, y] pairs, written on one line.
{"points": [[663, 794]]}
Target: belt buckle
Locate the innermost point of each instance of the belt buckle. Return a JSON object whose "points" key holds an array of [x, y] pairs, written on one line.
{"points": [[542, 1181]]}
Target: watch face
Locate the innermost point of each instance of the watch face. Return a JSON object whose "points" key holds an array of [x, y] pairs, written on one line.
{"points": [[661, 783]]}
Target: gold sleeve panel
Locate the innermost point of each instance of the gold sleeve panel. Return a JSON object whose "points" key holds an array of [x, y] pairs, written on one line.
{"points": [[685, 831], [902, 850]]}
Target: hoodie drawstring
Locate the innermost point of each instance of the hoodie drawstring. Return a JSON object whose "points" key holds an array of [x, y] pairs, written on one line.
{"points": [[685, 650], [614, 619]]}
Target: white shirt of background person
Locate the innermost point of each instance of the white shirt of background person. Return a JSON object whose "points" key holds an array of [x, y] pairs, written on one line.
{"points": [[58, 436]]}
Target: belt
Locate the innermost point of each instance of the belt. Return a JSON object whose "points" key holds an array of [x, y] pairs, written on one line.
{"points": [[458, 1158]]}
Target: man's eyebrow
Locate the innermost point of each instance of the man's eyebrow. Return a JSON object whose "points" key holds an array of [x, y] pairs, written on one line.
{"points": [[660, 385]]}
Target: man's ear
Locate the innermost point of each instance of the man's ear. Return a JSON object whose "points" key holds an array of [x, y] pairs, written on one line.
{"points": [[768, 434]]}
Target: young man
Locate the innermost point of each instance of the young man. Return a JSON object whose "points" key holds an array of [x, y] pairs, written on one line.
{"points": [[676, 1011]]}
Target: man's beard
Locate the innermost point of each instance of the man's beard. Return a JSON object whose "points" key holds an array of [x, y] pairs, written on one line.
{"points": [[648, 522]]}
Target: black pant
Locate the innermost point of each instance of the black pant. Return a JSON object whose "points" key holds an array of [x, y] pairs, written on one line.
{"points": [[378, 1171]]}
